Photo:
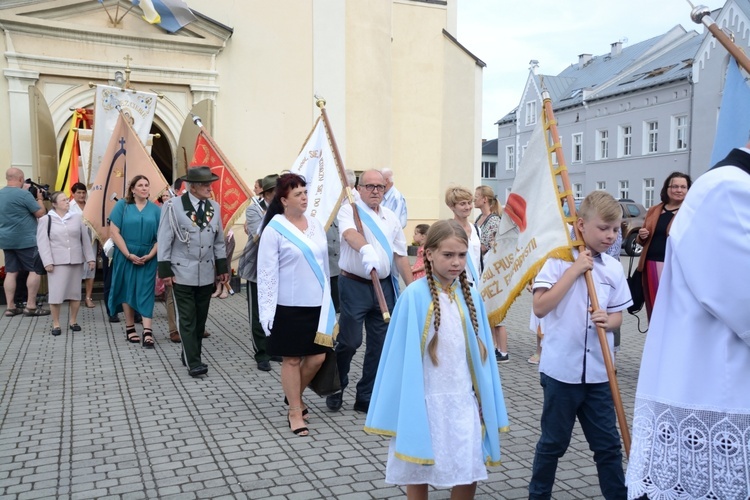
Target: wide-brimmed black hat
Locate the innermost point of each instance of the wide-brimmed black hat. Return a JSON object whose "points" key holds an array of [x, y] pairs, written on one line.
{"points": [[199, 174], [268, 183]]}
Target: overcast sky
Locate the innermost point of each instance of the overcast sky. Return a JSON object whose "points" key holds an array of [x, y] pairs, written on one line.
{"points": [[506, 35]]}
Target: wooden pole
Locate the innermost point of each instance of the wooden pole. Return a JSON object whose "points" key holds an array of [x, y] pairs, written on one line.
{"points": [[701, 15], [321, 103], [614, 387]]}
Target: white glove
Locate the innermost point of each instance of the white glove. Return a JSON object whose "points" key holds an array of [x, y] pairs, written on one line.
{"points": [[370, 258], [267, 326]]}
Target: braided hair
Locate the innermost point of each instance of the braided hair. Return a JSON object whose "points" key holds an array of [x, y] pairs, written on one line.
{"points": [[437, 233]]}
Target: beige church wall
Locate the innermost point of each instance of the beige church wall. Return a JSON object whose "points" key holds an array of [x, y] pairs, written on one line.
{"points": [[370, 85], [264, 104], [417, 108], [462, 113], [4, 115]]}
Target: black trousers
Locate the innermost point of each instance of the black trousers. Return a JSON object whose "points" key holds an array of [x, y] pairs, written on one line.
{"points": [[192, 311]]}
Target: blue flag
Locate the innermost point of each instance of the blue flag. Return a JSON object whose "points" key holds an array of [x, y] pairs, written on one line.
{"points": [[733, 128]]}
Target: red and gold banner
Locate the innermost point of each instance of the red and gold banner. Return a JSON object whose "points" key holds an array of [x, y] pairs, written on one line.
{"points": [[230, 191]]}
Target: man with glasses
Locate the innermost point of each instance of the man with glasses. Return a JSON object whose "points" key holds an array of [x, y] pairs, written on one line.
{"points": [[382, 248]]}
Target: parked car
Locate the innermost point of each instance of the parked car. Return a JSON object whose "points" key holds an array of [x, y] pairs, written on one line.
{"points": [[633, 215]]}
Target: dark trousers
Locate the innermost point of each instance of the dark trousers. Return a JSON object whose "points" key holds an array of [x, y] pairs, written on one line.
{"points": [[258, 335], [192, 310], [359, 306], [592, 405]]}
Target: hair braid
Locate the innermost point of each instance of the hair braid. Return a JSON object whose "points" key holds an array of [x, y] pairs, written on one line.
{"points": [[465, 288], [432, 346]]}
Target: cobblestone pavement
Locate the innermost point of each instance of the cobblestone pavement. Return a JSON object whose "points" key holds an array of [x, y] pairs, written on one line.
{"points": [[88, 415]]}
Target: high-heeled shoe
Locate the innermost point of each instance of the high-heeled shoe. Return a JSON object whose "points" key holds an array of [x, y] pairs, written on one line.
{"points": [[300, 431], [131, 336], [304, 408], [148, 338]]}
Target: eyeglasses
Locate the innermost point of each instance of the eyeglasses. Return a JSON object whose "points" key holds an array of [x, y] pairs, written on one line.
{"points": [[373, 187], [678, 187]]}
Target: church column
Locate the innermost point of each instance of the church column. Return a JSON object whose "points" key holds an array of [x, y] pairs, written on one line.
{"points": [[20, 119]]}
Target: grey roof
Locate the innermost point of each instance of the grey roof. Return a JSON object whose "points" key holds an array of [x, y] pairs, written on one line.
{"points": [[489, 147], [662, 59]]}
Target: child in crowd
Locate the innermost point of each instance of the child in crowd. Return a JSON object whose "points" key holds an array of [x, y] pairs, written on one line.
{"points": [[420, 233], [439, 396], [572, 370]]}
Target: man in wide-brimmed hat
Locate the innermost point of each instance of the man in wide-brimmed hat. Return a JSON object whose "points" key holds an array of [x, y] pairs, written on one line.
{"points": [[248, 266], [191, 255]]}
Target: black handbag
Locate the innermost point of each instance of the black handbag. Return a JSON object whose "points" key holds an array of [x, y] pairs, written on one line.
{"points": [[326, 381], [635, 284]]}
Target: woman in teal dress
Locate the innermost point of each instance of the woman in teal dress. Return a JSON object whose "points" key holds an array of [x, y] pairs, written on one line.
{"points": [[134, 224]]}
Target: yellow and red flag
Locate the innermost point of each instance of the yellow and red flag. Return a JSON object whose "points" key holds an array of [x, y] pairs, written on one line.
{"points": [[230, 191], [68, 170]]}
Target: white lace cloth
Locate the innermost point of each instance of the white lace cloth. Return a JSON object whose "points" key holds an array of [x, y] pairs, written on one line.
{"points": [[679, 453], [452, 411]]}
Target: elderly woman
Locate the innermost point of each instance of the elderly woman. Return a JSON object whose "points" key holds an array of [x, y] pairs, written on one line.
{"points": [[134, 225], [294, 296], [461, 202], [653, 235], [64, 247]]}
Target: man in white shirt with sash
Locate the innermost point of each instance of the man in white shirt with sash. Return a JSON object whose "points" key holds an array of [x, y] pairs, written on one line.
{"points": [[381, 248]]}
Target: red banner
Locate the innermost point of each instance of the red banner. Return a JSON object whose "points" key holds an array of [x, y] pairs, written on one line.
{"points": [[230, 192]]}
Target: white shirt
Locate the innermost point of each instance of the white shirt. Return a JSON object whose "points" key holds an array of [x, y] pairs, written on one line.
{"points": [[475, 250], [73, 208], [284, 276], [695, 367], [572, 352], [350, 260], [396, 203]]}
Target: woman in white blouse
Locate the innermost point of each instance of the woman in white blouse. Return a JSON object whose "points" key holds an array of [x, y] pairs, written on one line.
{"points": [[292, 262], [461, 202]]}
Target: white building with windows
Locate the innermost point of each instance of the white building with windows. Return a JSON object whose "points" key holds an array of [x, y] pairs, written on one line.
{"points": [[629, 117]]}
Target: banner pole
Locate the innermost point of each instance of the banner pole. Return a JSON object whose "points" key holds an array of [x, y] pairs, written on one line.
{"points": [[702, 15], [321, 104], [563, 171]]}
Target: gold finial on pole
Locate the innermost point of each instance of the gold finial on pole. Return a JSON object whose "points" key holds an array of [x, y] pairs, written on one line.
{"points": [[319, 101], [127, 60]]}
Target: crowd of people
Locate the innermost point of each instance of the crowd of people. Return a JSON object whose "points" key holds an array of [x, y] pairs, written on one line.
{"points": [[430, 377]]}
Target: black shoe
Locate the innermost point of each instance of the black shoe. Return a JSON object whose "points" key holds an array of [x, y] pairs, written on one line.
{"points": [[198, 371], [334, 401], [75, 327], [276, 359], [56, 331], [361, 406], [114, 318], [264, 366], [501, 358]]}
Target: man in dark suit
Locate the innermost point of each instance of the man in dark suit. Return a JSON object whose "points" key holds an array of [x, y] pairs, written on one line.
{"points": [[191, 255]]}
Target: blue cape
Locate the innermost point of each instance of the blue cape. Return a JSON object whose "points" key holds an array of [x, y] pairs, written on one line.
{"points": [[398, 408]]}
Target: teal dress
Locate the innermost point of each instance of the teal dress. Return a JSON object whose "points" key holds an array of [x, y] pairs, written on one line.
{"points": [[131, 284]]}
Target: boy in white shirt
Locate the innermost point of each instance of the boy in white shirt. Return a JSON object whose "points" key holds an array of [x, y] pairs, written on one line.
{"points": [[572, 371]]}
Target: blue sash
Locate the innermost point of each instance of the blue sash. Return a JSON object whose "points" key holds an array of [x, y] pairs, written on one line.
{"points": [[373, 226], [327, 320], [471, 268]]}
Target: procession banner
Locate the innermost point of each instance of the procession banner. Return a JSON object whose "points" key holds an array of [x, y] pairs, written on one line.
{"points": [[230, 191], [316, 163], [138, 108], [532, 229], [734, 118], [124, 158]]}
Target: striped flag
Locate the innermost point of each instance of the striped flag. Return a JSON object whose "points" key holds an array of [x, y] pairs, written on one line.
{"points": [[168, 14]]}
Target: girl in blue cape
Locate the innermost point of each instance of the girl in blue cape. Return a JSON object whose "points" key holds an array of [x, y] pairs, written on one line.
{"points": [[437, 394]]}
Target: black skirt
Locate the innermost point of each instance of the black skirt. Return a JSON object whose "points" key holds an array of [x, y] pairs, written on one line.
{"points": [[294, 330]]}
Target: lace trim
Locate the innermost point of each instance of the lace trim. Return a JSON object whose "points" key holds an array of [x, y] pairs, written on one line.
{"points": [[688, 453], [265, 295]]}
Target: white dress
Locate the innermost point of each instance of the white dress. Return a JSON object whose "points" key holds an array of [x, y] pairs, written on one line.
{"points": [[452, 411]]}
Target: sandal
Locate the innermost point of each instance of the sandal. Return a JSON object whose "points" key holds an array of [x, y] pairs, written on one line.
{"points": [[37, 311], [131, 336], [13, 311], [75, 327], [148, 338], [90, 303], [305, 411], [300, 431]]}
